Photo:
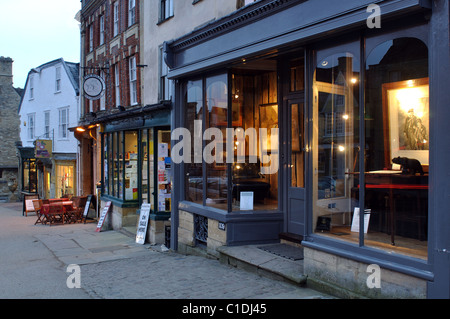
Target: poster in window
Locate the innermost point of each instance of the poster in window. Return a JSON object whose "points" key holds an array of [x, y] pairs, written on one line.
{"points": [[406, 120]]}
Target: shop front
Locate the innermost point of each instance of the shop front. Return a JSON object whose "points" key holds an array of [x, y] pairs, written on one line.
{"points": [[136, 167], [294, 131]]}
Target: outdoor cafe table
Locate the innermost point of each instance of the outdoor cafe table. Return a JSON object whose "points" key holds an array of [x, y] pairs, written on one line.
{"points": [[66, 204]]}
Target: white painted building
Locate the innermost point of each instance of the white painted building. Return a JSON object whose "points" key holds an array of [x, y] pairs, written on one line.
{"points": [[49, 107]]}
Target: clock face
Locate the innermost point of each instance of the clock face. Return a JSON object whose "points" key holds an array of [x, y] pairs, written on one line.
{"points": [[93, 86]]}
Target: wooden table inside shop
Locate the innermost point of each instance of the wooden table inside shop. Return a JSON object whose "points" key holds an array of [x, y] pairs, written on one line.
{"points": [[391, 180]]}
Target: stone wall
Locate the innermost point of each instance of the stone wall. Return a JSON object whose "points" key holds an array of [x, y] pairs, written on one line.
{"points": [[186, 235], [9, 132], [348, 278]]}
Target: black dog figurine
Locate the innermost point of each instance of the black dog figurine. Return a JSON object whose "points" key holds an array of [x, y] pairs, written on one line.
{"points": [[409, 165]]}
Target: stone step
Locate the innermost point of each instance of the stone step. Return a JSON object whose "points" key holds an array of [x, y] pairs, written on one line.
{"points": [[254, 259]]}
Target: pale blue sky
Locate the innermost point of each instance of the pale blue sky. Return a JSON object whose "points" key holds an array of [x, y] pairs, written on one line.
{"points": [[33, 32]]}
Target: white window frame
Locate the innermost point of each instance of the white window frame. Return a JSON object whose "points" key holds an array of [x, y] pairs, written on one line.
{"points": [[131, 12], [133, 81], [31, 87], [102, 98], [116, 18], [166, 9], [91, 38], [58, 79], [102, 29], [164, 82], [63, 123], [47, 124], [117, 83], [31, 126]]}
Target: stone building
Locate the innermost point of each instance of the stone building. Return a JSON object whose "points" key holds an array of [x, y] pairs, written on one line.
{"points": [[9, 132]]}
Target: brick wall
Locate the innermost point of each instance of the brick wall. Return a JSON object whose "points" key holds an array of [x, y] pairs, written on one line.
{"points": [[116, 50]]}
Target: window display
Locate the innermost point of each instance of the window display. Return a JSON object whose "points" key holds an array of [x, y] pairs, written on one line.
{"points": [[336, 140], [238, 109], [397, 144], [131, 166], [65, 182], [395, 148]]}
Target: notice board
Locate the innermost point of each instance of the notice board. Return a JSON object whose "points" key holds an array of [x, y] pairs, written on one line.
{"points": [[143, 222], [86, 207], [103, 216]]}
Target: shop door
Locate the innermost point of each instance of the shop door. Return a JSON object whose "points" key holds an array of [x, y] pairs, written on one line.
{"points": [[296, 216]]}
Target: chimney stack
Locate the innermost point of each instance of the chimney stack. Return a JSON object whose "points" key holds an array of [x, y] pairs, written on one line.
{"points": [[6, 76]]}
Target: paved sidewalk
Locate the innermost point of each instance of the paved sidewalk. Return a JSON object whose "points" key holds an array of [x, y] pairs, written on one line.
{"points": [[113, 266]]}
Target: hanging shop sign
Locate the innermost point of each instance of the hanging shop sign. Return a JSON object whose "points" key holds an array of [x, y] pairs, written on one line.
{"points": [[43, 148], [93, 86]]}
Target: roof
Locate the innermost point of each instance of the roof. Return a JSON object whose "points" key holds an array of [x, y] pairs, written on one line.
{"points": [[72, 70]]}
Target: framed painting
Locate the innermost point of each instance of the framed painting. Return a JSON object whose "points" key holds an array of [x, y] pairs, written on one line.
{"points": [[406, 120]]}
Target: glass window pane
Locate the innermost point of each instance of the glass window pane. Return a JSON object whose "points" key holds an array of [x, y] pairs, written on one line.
{"points": [[297, 73], [397, 143], [335, 144], [164, 166], [194, 122], [65, 182], [115, 158], [255, 124], [144, 166], [297, 143], [106, 152], [131, 165], [214, 151]]}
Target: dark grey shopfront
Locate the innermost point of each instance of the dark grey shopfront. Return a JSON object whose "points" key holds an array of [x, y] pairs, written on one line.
{"points": [[339, 101]]}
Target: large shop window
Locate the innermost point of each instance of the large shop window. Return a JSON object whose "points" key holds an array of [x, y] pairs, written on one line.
{"points": [[121, 165], [65, 180], [336, 142], [29, 176], [232, 163], [395, 149], [131, 168], [396, 146]]}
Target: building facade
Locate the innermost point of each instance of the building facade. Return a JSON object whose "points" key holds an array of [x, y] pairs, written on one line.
{"points": [[48, 108], [290, 117], [9, 132], [122, 42], [110, 52]]}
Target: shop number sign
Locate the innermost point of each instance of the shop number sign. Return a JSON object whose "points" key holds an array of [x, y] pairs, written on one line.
{"points": [[142, 225]]}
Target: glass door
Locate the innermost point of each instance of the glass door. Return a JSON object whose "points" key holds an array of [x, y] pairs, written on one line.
{"points": [[296, 168]]}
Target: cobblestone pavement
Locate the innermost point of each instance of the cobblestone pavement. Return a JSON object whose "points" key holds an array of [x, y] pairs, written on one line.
{"points": [[172, 276], [113, 266]]}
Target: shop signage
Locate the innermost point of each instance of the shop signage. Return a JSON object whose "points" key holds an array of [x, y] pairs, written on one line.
{"points": [[86, 207], [355, 221], [103, 216], [44, 148], [93, 86], [246, 202], [142, 225]]}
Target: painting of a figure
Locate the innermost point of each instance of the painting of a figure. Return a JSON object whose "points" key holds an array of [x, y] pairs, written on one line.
{"points": [[406, 110]]}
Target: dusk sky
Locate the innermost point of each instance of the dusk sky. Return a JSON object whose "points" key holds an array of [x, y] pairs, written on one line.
{"points": [[34, 32]]}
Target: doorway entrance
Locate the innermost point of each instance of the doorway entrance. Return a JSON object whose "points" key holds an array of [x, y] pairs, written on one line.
{"points": [[294, 153]]}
